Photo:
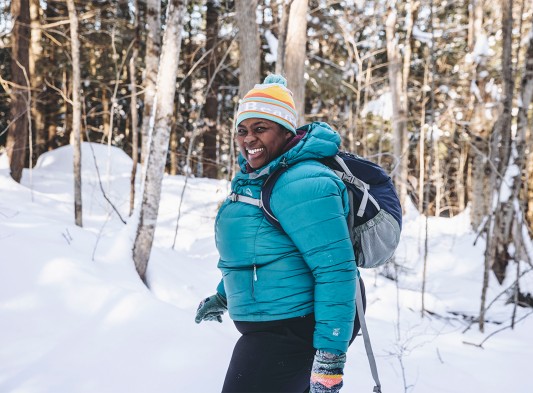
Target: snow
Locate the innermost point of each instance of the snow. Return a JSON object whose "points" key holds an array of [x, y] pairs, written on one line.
{"points": [[382, 106], [76, 318], [272, 41]]}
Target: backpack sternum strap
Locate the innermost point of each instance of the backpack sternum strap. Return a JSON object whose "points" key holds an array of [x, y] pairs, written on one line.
{"points": [[245, 199]]}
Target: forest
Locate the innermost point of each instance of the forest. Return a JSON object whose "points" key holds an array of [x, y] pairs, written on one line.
{"points": [[438, 92]]}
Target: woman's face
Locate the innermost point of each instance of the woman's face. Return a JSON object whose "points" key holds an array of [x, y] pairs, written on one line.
{"points": [[260, 141]]}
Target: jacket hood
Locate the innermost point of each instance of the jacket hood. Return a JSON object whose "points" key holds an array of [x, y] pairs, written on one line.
{"points": [[315, 140]]}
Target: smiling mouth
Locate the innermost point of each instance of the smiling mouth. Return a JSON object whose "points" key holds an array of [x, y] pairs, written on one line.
{"points": [[253, 152]]}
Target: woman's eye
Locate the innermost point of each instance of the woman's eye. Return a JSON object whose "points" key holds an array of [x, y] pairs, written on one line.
{"points": [[260, 129], [241, 132]]}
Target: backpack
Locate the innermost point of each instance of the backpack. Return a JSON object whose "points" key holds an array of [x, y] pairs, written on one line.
{"points": [[375, 218], [374, 221]]}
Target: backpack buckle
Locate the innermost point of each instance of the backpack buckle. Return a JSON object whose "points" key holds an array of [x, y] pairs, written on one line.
{"points": [[233, 197], [348, 178]]}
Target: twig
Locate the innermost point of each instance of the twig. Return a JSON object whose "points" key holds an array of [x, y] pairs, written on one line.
{"points": [[179, 210], [480, 345], [61, 93], [440, 357], [96, 166], [100, 235], [476, 320], [30, 134]]}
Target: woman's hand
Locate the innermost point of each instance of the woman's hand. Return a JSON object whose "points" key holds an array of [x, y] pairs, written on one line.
{"points": [[211, 309], [327, 372]]}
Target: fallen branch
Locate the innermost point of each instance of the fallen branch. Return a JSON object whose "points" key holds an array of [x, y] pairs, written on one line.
{"points": [[480, 345]]}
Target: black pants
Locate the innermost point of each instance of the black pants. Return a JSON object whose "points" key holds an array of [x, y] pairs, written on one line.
{"points": [[275, 356]]}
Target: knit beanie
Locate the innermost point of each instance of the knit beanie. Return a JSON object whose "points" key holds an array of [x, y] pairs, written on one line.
{"points": [[270, 100]]}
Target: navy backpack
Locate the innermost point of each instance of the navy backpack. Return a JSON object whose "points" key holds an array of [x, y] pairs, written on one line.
{"points": [[375, 219]]}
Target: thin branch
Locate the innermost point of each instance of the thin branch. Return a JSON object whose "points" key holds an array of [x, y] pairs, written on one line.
{"points": [[87, 15], [480, 345], [475, 320], [30, 134], [96, 166], [61, 92]]}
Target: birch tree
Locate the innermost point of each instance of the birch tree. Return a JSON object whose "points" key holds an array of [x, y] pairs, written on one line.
{"points": [[398, 75], [151, 59], [19, 108], [282, 36], [523, 131], [76, 110], [295, 54], [499, 222], [133, 109], [249, 45], [480, 122], [155, 165], [35, 56]]}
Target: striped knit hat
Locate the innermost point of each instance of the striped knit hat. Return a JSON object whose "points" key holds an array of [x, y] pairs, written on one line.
{"points": [[270, 100]]}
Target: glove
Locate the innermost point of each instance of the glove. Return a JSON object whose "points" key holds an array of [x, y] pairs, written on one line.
{"points": [[211, 309], [327, 372]]}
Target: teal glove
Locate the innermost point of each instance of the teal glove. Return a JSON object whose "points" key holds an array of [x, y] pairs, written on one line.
{"points": [[327, 372], [211, 309]]}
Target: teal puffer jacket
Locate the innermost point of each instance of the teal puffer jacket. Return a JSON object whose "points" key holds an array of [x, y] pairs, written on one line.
{"points": [[268, 274]]}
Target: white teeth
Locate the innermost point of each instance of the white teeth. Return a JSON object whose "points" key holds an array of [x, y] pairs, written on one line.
{"points": [[254, 151]]}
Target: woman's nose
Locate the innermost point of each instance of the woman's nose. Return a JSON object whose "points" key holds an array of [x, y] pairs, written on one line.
{"points": [[250, 137]]}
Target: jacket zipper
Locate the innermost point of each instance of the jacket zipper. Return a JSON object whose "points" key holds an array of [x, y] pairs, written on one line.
{"points": [[254, 278]]}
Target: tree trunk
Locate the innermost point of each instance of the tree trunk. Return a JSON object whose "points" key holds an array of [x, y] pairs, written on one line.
{"points": [[151, 60], [133, 110], [35, 58], [155, 166], [249, 45], [295, 55], [209, 153], [399, 106], [19, 115], [501, 148], [282, 37], [480, 123], [526, 90], [76, 110], [500, 222], [519, 150]]}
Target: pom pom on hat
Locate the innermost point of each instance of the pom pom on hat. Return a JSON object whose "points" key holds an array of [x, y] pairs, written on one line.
{"points": [[275, 78], [270, 100]]}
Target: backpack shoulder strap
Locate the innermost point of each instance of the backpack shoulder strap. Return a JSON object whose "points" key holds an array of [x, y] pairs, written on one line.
{"points": [[266, 193], [366, 338]]}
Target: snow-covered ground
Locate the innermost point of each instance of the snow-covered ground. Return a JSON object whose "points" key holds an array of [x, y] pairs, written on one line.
{"points": [[74, 316]]}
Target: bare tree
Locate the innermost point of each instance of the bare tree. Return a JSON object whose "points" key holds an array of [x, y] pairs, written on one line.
{"points": [[18, 129], [155, 166], [133, 110], [249, 46], [523, 132], [398, 74], [76, 110], [151, 59], [282, 36], [209, 151], [480, 122], [295, 54], [35, 56], [499, 222]]}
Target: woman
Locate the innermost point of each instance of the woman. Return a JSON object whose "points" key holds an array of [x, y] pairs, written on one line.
{"points": [[290, 293]]}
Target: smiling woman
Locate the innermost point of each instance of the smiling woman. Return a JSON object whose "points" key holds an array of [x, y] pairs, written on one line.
{"points": [[290, 291], [260, 140]]}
